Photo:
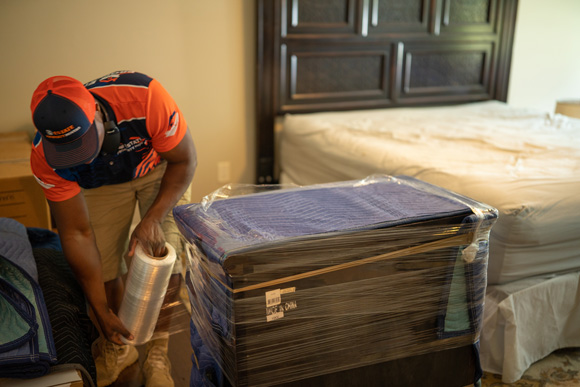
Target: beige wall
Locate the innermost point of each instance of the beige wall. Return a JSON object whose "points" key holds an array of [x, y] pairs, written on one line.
{"points": [[546, 56], [202, 51]]}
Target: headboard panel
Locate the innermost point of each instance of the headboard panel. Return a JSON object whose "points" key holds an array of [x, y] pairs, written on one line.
{"points": [[316, 55]]}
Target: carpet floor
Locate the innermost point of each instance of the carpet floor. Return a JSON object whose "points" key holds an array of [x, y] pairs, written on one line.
{"points": [[561, 369]]}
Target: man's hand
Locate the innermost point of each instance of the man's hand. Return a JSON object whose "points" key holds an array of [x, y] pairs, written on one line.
{"points": [[181, 164], [149, 233], [112, 327]]}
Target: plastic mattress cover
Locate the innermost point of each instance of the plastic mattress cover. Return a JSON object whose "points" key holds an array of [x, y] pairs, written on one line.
{"points": [[524, 162], [290, 282]]}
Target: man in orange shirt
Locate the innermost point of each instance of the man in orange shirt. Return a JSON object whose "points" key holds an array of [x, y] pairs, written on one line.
{"points": [[101, 149]]}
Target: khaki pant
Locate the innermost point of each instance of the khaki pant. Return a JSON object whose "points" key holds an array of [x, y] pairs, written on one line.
{"points": [[111, 210]]}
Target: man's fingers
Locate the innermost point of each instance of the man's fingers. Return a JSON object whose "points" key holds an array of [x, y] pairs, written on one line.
{"points": [[160, 250], [118, 340], [115, 338], [127, 334], [132, 245]]}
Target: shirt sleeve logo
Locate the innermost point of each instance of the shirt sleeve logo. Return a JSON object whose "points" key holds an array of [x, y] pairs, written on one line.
{"points": [[173, 124], [108, 78], [43, 184]]}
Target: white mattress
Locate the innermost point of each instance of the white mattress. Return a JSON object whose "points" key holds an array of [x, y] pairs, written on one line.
{"points": [[523, 162]]}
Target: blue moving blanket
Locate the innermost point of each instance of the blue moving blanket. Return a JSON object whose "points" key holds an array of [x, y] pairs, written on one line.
{"points": [[301, 282], [26, 343]]}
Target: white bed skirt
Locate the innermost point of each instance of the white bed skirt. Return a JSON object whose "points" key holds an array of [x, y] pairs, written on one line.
{"points": [[524, 321]]}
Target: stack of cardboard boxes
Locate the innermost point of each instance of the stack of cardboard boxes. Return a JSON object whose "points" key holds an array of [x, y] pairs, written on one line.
{"points": [[21, 197]]}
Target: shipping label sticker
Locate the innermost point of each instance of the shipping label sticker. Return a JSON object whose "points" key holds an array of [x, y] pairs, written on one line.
{"points": [[289, 305], [288, 290], [273, 297], [274, 316], [274, 313]]}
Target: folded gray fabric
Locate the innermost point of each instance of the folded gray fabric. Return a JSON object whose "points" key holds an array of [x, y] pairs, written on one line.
{"points": [[26, 345], [15, 246]]}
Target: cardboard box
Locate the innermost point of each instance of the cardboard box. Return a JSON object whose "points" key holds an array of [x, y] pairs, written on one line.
{"points": [[56, 378], [21, 197]]}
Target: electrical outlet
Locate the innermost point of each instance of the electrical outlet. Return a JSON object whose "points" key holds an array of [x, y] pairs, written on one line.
{"points": [[223, 172]]}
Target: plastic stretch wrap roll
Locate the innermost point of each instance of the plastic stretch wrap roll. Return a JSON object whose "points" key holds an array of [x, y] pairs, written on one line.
{"points": [[145, 290]]}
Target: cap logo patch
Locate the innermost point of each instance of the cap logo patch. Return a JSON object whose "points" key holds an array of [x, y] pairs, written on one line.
{"points": [[62, 133]]}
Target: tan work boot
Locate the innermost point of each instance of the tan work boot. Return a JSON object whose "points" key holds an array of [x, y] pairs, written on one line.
{"points": [[157, 368], [112, 360]]}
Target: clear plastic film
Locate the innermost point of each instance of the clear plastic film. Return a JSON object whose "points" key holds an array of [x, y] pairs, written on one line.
{"points": [[299, 282], [174, 314], [145, 290]]}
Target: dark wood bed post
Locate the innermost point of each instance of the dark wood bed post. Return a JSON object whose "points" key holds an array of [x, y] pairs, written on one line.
{"points": [[265, 107], [438, 57], [506, 45]]}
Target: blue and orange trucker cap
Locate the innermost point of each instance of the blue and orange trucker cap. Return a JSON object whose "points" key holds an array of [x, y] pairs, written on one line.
{"points": [[63, 112]]}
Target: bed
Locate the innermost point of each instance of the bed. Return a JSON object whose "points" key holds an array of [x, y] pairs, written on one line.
{"points": [[346, 89]]}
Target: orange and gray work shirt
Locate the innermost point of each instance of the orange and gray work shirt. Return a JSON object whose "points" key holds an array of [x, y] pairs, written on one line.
{"points": [[149, 122]]}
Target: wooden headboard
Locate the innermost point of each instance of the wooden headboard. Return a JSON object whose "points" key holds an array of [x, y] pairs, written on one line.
{"points": [[328, 55]]}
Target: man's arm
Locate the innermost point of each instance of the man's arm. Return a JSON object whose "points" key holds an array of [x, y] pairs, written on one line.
{"points": [[82, 254], [181, 165]]}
